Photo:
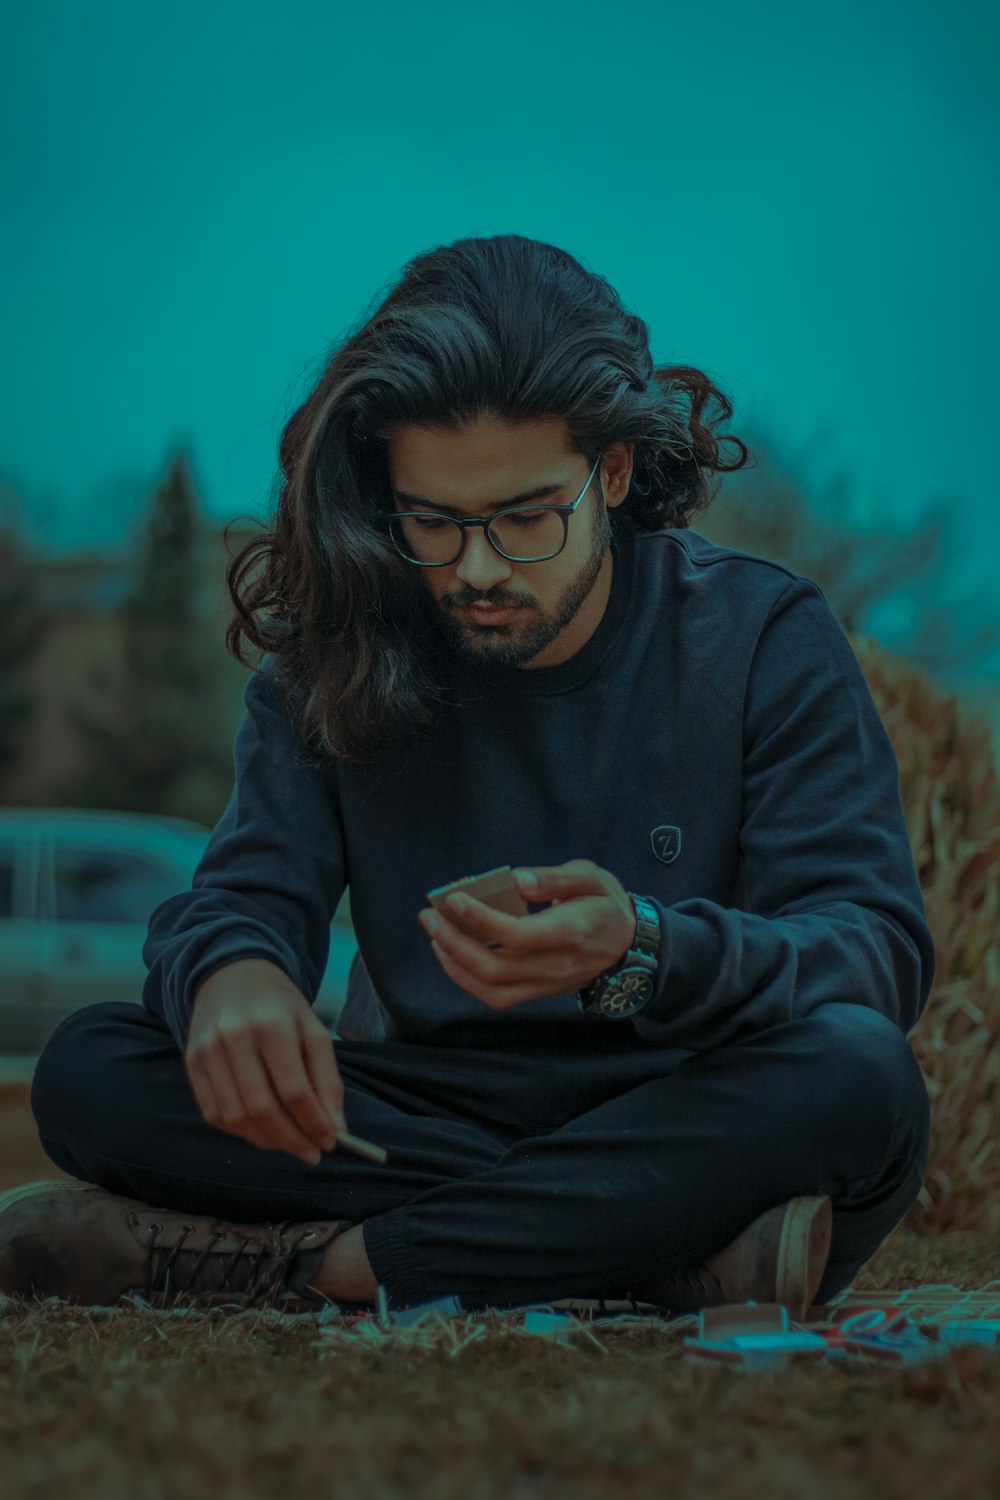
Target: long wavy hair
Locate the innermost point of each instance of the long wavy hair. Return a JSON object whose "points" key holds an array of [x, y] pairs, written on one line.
{"points": [[503, 328]]}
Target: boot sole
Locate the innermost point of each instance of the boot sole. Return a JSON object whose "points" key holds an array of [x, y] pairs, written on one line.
{"points": [[26, 1189], [803, 1247], [803, 1251]]}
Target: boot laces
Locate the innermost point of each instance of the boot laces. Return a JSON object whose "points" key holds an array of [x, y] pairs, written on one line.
{"points": [[268, 1264]]}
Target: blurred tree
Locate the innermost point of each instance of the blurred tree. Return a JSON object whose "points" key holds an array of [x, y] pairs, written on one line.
{"points": [[764, 511], [167, 748], [21, 630]]}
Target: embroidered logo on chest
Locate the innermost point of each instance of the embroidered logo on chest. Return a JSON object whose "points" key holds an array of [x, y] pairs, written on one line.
{"points": [[666, 841]]}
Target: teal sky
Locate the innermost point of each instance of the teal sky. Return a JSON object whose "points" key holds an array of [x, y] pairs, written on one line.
{"points": [[201, 198]]}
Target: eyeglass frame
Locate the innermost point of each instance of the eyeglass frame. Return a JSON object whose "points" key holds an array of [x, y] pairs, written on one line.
{"points": [[563, 511]]}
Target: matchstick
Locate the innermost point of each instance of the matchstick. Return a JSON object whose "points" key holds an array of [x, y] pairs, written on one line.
{"points": [[362, 1148]]}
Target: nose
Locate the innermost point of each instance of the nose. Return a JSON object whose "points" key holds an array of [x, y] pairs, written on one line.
{"points": [[481, 566]]}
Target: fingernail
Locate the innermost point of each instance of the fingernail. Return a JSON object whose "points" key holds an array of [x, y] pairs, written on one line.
{"points": [[527, 879], [312, 1160]]}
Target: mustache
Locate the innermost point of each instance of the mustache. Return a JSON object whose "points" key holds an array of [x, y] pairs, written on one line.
{"points": [[490, 603]]}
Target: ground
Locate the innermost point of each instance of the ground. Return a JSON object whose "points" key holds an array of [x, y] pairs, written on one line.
{"points": [[221, 1406]]}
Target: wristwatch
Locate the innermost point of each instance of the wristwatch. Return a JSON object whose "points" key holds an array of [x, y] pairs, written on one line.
{"points": [[626, 987]]}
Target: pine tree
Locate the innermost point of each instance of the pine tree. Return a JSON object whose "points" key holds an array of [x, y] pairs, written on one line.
{"points": [[168, 749], [21, 631]]}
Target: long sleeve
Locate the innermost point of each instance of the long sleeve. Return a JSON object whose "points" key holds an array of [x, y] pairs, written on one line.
{"points": [[270, 878], [834, 910]]}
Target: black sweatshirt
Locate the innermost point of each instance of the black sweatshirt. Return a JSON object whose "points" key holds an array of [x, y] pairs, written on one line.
{"points": [[714, 744]]}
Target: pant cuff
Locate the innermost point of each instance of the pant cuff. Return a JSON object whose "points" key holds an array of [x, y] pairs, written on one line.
{"points": [[386, 1247]]}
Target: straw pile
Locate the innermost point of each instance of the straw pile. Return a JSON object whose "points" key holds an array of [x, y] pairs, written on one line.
{"points": [[951, 799]]}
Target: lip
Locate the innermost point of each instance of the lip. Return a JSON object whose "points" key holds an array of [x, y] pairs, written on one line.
{"points": [[489, 616]]}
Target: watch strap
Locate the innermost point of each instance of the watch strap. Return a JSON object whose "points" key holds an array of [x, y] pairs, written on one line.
{"points": [[625, 988]]}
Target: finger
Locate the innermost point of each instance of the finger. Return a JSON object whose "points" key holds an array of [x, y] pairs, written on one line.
{"points": [[484, 924], [219, 1101], [461, 977], [505, 964], [489, 966], [577, 877], [324, 1075], [297, 1085], [201, 1087], [493, 995], [264, 1103], [504, 975], [284, 1055], [481, 922]]}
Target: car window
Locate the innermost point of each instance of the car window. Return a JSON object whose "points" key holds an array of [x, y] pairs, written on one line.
{"points": [[108, 885], [6, 880]]}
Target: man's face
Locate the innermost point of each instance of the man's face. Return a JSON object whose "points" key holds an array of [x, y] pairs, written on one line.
{"points": [[560, 601]]}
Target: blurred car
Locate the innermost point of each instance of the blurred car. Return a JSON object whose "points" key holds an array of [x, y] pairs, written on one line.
{"points": [[77, 889]]}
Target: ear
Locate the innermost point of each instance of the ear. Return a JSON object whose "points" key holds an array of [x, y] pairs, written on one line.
{"points": [[616, 471]]}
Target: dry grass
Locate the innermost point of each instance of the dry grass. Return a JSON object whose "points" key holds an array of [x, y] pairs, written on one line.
{"points": [[238, 1405], [133, 1402], [951, 800]]}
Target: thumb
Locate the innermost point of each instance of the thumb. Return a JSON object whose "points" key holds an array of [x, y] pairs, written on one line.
{"points": [[536, 884], [574, 878], [324, 1075]]}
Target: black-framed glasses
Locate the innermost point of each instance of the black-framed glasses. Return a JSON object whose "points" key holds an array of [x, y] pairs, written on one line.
{"points": [[524, 533]]}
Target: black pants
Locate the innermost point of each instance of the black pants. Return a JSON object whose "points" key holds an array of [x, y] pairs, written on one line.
{"points": [[529, 1176]]}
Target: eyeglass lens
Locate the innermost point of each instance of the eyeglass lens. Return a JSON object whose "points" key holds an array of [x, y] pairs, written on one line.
{"points": [[524, 535]]}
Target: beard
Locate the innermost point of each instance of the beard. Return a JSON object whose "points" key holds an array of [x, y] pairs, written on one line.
{"points": [[514, 645]]}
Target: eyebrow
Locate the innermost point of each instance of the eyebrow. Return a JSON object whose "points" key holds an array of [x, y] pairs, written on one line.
{"points": [[538, 493]]}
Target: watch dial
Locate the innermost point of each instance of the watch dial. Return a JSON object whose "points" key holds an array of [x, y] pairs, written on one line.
{"points": [[632, 990]]}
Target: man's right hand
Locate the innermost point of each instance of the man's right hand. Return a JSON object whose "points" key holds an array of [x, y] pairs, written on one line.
{"points": [[261, 1062]]}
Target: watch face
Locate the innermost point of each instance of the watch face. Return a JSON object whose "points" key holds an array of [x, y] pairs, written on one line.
{"points": [[633, 987]]}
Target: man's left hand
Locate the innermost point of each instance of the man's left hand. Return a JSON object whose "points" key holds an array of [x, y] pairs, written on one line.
{"points": [[587, 929]]}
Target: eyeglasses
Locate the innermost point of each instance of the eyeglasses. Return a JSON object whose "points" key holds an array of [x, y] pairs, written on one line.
{"points": [[534, 532]]}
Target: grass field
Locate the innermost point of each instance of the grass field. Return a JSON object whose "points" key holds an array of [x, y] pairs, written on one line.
{"points": [[220, 1406]]}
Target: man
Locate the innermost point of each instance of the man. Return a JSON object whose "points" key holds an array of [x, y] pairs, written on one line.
{"points": [[683, 1077]]}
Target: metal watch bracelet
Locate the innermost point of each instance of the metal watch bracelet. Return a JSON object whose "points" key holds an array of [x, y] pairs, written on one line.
{"points": [[625, 988]]}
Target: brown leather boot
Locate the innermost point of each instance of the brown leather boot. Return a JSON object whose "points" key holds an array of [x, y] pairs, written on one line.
{"points": [[780, 1257], [77, 1241]]}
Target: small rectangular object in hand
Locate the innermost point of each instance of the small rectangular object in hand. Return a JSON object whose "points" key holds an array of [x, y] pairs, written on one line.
{"points": [[496, 888]]}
